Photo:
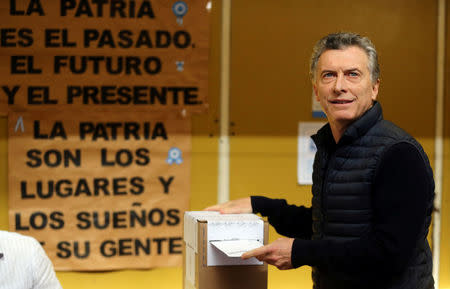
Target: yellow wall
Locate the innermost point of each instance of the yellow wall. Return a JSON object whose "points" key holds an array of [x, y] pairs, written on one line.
{"points": [[271, 93], [445, 223]]}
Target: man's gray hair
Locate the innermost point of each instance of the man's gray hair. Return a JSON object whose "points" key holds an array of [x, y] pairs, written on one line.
{"points": [[343, 40]]}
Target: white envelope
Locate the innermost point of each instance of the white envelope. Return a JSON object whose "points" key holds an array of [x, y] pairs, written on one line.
{"points": [[235, 248]]}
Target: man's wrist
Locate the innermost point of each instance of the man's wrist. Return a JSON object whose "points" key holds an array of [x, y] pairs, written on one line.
{"points": [[305, 252]]}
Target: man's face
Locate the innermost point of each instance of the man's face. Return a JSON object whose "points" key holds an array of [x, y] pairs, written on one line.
{"points": [[343, 85]]}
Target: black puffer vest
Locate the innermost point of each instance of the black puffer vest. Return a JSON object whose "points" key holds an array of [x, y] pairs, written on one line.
{"points": [[342, 188]]}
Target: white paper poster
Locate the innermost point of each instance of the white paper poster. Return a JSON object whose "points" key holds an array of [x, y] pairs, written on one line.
{"points": [[306, 151]]}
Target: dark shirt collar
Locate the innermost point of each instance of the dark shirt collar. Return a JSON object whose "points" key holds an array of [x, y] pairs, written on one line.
{"points": [[324, 137]]}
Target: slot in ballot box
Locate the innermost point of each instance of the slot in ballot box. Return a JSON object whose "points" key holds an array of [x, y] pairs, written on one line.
{"points": [[213, 244]]}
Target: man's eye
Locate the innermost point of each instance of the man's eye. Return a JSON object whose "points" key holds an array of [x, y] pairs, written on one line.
{"points": [[327, 75], [353, 74]]}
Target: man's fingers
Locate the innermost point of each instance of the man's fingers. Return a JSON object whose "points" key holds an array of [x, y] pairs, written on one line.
{"points": [[220, 208], [261, 251], [277, 253], [230, 210], [213, 208], [238, 206]]}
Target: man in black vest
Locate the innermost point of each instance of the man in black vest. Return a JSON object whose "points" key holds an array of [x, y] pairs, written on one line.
{"points": [[373, 187]]}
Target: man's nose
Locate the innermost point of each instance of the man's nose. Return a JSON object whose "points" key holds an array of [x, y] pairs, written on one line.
{"points": [[340, 85]]}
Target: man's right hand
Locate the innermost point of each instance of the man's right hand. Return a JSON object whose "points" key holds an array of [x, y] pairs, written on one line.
{"points": [[239, 206]]}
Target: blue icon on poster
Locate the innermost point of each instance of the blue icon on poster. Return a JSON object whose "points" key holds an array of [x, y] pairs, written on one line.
{"points": [[174, 156], [180, 65], [180, 9]]}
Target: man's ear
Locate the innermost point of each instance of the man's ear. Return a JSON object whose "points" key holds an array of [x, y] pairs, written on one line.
{"points": [[375, 88], [315, 92]]}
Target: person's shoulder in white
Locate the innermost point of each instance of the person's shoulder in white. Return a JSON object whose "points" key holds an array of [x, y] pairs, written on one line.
{"points": [[24, 264]]}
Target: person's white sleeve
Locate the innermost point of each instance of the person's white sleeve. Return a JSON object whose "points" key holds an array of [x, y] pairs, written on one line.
{"points": [[44, 274]]}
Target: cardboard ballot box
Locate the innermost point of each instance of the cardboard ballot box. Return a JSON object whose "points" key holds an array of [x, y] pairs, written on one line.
{"points": [[213, 244]]}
